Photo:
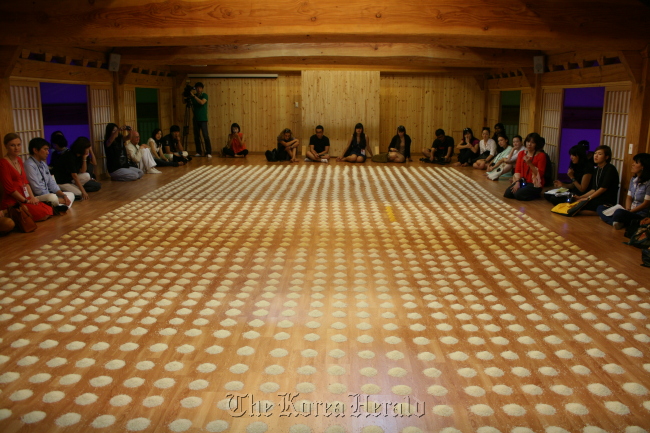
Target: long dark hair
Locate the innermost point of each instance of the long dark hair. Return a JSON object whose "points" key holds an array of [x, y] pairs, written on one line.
{"points": [[154, 133], [471, 133], [644, 160], [362, 136], [80, 145], [579, 151], [109, 130]]}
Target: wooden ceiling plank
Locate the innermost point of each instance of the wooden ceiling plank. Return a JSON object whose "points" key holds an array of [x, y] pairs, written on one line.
{"points": [[535, 24]]}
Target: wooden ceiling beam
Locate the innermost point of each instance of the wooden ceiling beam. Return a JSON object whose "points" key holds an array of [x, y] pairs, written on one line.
{"points": [[331, 53], [296, 68], [534, 24]]}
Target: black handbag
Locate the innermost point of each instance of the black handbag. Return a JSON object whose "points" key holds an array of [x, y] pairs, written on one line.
{"points": [[641, 238]]}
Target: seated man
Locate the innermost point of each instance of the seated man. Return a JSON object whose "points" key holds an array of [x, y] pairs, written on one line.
{"points": [[140, 154], [172, 146], [60, 146], [441, 150], [70, 170], [319, 147], [38, 175]]}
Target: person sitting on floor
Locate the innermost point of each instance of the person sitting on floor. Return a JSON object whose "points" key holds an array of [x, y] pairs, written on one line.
{"points": [[399, 149], [235, 146], [287, 146], [117, 160], [140, 154], [42, 182], [441, 151], [319, 147], [15, 186], [173, 147], [358, 146], [60, 146], [156, 148], [502, 156], [580, 172], [603, 189], [499, 128], [637, 202], [467, 149], [487, 150], [505, 165], [528, 180], [71, 170]]}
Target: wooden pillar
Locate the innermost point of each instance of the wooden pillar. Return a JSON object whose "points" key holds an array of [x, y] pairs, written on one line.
{"points": [[536, 105], [638, 127], [119, 78], [8, 57], [178, 108]]}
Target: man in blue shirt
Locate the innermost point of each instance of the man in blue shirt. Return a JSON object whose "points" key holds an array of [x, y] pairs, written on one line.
{"points": [[42, 182]]}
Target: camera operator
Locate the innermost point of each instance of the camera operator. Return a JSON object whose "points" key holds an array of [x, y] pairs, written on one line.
{"points": [[200, 108]]}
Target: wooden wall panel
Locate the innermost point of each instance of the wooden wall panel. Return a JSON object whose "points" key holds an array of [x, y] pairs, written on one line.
{"points": [[425, 103], [130, 114], [165, 109], [614, 128], [27, 114], [338, 100], [524, 113], [552, 101], [100, 107], [494, 108], [261, 106]]}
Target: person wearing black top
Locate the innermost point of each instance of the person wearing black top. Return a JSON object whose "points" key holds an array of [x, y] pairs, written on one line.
{"points": [[358, 147], [71, 170], [116, 159], [580, 172], [319, 147], [603, 189], [441, 150], [499, 128], [172, 147], [399, 149]]}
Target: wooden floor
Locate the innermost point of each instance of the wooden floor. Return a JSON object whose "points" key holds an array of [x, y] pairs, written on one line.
{"points": [[415, 287]]}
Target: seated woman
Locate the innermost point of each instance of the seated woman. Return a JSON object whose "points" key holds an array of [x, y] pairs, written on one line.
{"points": [[140, 154], [487, 150], [71, 170], [498, 129], [468, 148], [528, 180], [637, 202], [603, 189], [156, 149], [287, 146], [399, 149], [358, 146], [501, 157], [506, 163], [15, 186], [117, 160], [235, 147], [580, 172]]}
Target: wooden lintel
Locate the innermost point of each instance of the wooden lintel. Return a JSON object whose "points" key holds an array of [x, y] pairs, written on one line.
{"points": [[508, 83], [616, 73], [56, 72]]}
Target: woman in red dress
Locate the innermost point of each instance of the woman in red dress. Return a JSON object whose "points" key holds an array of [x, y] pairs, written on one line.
{"points": [[14, 181]]}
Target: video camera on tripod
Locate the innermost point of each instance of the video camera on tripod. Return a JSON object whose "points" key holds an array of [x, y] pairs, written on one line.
{"points": [[187, 94]]}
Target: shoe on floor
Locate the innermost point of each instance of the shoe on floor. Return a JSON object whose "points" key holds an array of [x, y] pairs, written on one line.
{"points": [[324, 160], [307, 159], [154, 170], [60, 209], [209, 155], [618, 225], [198, 155]]}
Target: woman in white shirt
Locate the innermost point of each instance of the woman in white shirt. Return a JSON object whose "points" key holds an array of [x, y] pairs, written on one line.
{"points": [[487, 150]]}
